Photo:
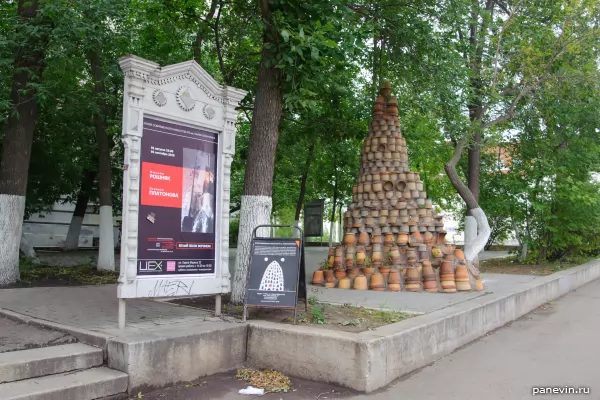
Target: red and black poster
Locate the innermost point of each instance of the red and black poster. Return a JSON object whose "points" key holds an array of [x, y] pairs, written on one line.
{"points": [[178, 189]]}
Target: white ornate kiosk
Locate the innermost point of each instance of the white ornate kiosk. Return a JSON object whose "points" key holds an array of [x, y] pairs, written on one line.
{"points": [[179, 141]]}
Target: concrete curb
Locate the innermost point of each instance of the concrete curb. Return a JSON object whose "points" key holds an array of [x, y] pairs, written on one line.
{"points": [[368, 361]]}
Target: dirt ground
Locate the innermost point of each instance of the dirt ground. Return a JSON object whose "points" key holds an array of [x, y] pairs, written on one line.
{"points": [[343, 318], [227, 386]]}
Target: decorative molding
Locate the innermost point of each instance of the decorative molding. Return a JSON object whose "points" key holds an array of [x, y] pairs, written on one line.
{"points": [[185, 101], [208, 111], [159, 97]]}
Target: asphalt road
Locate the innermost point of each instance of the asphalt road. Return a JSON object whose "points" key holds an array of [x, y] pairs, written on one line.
{"points": [[556, 346]]}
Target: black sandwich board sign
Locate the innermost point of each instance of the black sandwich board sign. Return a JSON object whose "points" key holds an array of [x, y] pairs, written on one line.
{"points": [[313, 218], [274, 271]]}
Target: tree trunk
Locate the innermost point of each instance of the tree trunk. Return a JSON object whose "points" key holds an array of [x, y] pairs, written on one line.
{"points": [[303, 180], [482, 226], [257, 201], [331, 223], [18, 137], [203, 30], [106, 253], [83, 198]]}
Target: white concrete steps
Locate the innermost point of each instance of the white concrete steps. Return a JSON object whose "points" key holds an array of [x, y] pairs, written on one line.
{"points": [[89, 384], [33, 363]]}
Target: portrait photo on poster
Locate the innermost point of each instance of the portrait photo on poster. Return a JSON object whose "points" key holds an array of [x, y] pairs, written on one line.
{"points": [[197, 210]]}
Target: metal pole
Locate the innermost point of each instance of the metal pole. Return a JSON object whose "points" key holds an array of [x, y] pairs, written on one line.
{"points": [[218, 305], [122, 313]]}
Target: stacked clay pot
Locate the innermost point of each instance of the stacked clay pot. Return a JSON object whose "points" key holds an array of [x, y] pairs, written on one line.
{"points": [[447, 276], [429, 278], [391, 230], [412, 279], [394, 280], [377, 282]]}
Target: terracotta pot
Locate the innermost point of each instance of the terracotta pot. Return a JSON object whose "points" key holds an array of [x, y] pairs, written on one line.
{"points": [[436, 252], [393, 287], [318, 278], [394, 276], [376, 256], [330, 260], [349, 238], [329, 275], [367, 187], [389, 239], [360, 256], [388, 186], [337, 260], [428, 273], [441, 237], [360, 283], [377, 186], [430, 286], [344, 283], [459, 254], [448, 286], [349, 263], [330, 285], [384, 270], [448, 249], [415, 239], [478, 284], [339, 251], [376, 239], [446, 268], [412, 274], [377, 282], [368, 270], [339, 273], [402, 238], [363, 238], [331, 251], [461, 274], [352, 272], [428, 238], [463, 286], [394, 252]]}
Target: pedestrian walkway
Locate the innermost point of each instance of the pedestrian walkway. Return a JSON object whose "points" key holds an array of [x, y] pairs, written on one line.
{"points": [[555, 346], [94, 308]]}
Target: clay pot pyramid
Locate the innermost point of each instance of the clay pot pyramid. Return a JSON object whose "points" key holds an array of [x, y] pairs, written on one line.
{"points": [[389, 198], [391, 222]]}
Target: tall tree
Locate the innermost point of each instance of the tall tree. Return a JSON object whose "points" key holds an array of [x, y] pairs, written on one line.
{"points": [[32, 35], [256, 199]]}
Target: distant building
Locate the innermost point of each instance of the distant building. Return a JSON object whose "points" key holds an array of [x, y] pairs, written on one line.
{"points": [[49, 229]]}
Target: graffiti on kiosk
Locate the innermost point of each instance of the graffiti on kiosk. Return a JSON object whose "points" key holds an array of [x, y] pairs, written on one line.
{"points": [[170, 288]]}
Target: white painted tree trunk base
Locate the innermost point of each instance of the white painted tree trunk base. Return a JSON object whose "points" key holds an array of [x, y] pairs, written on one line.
{"points": [[106, 253], [28, 250], [12, 209], [254, 211], [477, 244], [72, 240]]}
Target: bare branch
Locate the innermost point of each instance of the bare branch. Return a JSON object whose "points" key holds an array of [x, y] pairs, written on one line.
{"points": [[512, 109], [500, 35]]}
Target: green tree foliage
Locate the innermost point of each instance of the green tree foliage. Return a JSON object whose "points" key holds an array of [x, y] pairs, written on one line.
{"points": [[521, 75]]}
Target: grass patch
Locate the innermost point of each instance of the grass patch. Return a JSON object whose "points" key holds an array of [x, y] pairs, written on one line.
{"points": [[345, 317], [510, 265], [46, 275]]}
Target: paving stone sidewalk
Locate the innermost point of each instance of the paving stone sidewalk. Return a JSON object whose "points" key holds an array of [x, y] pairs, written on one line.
{"points": [[94, 308]]}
